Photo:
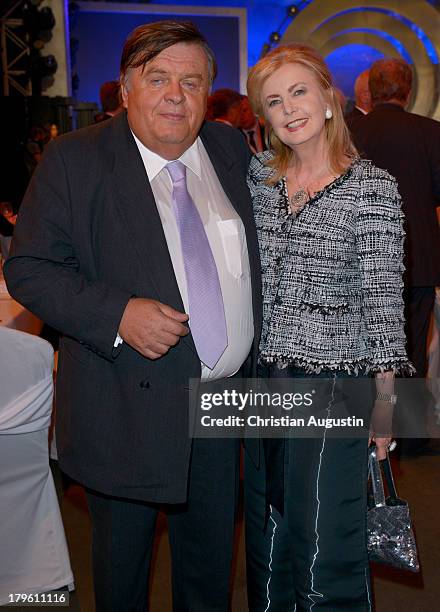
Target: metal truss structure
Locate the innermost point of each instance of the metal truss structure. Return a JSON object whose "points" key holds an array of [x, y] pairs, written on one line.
{"points": [[15, 51]]}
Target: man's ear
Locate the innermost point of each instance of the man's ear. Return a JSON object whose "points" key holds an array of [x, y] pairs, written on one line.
{"points": [[124, 92]]}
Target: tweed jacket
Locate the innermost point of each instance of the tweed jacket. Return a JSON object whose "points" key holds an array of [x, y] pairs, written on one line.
{"points": [[332, 275]]}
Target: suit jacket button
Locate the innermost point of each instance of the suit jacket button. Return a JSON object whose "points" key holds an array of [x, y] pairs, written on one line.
{"points": [[144, 384]]}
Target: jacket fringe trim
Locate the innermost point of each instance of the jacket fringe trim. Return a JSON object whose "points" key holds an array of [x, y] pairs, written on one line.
{"points": [[400, 366]]}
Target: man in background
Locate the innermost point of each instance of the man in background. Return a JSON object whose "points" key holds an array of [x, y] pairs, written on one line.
{"points": [[250, 127], [8, 219], [408, 146], [111, 101], [224, 107], [362, 99]]}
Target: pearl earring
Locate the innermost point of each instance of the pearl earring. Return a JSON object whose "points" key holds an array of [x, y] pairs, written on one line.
{"points": [[328, 113]]}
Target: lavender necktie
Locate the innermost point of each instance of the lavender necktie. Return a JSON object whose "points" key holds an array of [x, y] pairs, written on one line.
{"points": [[206, 310]]}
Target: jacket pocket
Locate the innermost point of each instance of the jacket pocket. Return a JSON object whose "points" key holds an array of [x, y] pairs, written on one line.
{"points": [[234, 245]]}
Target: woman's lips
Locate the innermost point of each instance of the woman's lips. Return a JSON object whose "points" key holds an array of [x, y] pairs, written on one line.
{"points": [[297, 124]]}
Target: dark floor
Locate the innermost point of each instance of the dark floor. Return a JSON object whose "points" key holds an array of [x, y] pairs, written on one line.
{"points": [[417, 481]]}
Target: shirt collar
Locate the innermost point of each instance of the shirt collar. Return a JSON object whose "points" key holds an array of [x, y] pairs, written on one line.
{"points": [[218, 120], [390, 106], [154, 163]]}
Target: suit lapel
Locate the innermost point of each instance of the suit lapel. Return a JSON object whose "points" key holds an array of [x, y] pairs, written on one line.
{"points": [[135, 200], [222, 162], [137, 206], [228, 174]]}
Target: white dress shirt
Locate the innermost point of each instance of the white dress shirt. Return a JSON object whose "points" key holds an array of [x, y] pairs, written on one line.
{"points": [[226, 236]]}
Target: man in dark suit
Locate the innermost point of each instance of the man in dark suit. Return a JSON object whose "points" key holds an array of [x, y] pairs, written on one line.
{"points": [[224, 106], [110, 97], [362, 100], [408, 146], [250, 126], [128, 226]]}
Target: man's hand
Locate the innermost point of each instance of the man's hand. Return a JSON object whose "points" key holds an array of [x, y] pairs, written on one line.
{"points": [[152, 328]]}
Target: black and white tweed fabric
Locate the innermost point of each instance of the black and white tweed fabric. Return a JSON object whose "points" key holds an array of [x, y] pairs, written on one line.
{"points": [[332, 275]]}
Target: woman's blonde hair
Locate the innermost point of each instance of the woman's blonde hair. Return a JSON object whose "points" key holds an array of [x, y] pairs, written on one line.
{"points": [[340, 146]]}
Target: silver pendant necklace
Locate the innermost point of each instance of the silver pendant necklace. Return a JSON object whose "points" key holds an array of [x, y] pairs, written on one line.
{"points": [[298, 200]]}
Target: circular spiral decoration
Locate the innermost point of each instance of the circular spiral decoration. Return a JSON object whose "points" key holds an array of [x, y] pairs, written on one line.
{"points": [[395, 28]]}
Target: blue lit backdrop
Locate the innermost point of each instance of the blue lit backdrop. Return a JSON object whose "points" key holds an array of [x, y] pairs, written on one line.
{"points": [[265, 17], [344, 70]]}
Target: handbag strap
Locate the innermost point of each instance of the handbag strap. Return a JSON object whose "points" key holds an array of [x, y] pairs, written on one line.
{"points": [[376, 469], [376, 478], [389, 480]]}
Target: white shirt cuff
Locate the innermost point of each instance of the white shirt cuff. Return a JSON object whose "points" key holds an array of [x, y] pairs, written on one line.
{"points": [[118, 341]]}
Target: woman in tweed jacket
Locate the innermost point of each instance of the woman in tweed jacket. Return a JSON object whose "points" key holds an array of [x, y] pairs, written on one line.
{"points": [[331, 241]]}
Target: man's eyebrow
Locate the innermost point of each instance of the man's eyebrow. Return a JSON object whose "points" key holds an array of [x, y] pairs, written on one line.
{"points": [[153, 69], [161, 71], [193, 75]]}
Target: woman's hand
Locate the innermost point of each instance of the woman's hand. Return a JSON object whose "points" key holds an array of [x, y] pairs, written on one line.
{"points": [[381, 427], [382, 445], [382, 415]]}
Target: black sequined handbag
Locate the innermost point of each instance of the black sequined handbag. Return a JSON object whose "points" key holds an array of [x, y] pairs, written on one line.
{"points": [[390, 537]]}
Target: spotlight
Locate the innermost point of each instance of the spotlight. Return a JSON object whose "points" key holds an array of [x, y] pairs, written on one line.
{"points": [[43, 67], [48, 65], [46, 20], [275, 37], [292, 10], [38, 24]]}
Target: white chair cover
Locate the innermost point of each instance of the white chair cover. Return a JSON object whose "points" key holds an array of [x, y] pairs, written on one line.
{"points": [[33, 550]]}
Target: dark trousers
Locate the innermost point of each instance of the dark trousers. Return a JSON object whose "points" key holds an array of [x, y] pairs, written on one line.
{"points": [[314, 556], [419, 304], [200, 532]]}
